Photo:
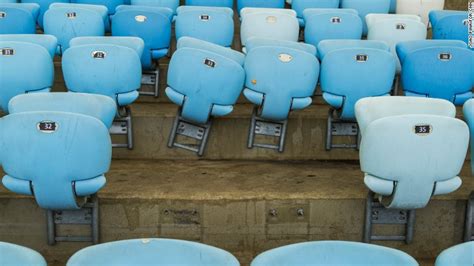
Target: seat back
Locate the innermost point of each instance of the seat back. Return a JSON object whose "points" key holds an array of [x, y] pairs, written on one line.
{"points": [[260, 3], [16, 20], [451, 25], [153, 252], [49, 42], [281, 74], [333, 253], [469, 116], [419, 8], [44, 6], [17, 255], [26, 67], [450, 75], [301, 5], [134, 43], [326, 46], [152, 24], [211, 24], [323, 24], [372, 19], [365, 7], [256, 42], [458, 255], [350, 74], [99, 69], [220, 3], [404, 48], [110, 4], [171, 4], [51, 153], [73, 20]]}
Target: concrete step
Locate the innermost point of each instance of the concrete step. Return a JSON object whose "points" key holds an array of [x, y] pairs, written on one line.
{"points": [[227, 203]]}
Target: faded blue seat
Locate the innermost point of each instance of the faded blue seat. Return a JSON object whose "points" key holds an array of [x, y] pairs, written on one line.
{"points": [[459, 255], [211, 24], [221, 3], [260, 3], [365, 7], [133, 43], [450, 75], [17, 255], [326, 46], [319, 253], [18, 18], [301, 5], [405, 48], [153, 252], [26, 68], [171, 4], [469, 116], [49, 42], [255, 42], [449, 24], [419, 8], [44, 6], [67, 21], [110, 4], [323, 24], [78, 154]]}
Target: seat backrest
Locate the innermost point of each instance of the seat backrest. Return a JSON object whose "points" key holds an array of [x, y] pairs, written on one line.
{"points": [[404, 48], [281, 74], [365, 7], [53, 152], [26, 67], [17, 255], [110, 4], [171, 4], [323, 24], [272, 25], [100, 69], [469, 117], [260, 3], [301, 5], [33, 8], [256, 42], [220, 81], [16, 20], [153, 252], [152, 24], [326, 46], [419, 8], [44, 6], [372, 19], [188, 42], [356, 73], [73, 20], [220, 3], [134, 43], [211, 24], [449, 24], [98, 106], [458, 255], [251, 10], [450, 75], [49, 42]]}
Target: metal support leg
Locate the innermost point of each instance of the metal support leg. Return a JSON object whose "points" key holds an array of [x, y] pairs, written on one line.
{"points": [[198, 132], [376, 213], [336, 127], [469, 224], [123, 125], [151, 77], [260, 126]]}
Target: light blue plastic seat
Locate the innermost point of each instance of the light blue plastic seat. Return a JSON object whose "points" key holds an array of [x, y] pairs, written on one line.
{"points": [[301, 5], [450, 75], [211, 24], [365, 7], [255, 42], [407, 47], [49, 42], [133, 43], [44, 6], [324, 24], [459, 255], [110, 4], [67, 21], [171, 4], [17, 255], [18, 18], [54, 156], [260, 3], [469, 116], [326, 46], [220, 3], [449, 24], [153, 252], [319, 253], [26, 68]]}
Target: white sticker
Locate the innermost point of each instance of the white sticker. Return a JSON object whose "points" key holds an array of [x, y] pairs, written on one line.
{"points": [[285, 58], [271, 19], [3, 14], [444, 56], [140, 18]]}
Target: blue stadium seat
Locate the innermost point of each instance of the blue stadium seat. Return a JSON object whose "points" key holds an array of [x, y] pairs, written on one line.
{"points": [[16, 18], [171, 4], [404, 48], [26, 68], [319, 253], [449, 24], [110, 4], [220, 3], [211, 24], [406, 158], [17, 255], [44, 6], [327, 46], [348, 75], [99, 69], [259, 3], [365, 7], [301, 5], [469, 116], [419, 8], [459, 255], [323, 24], [271, 23], [450, 75], [133, 43], [200, 99], [67, 21], [280, 77], [153, 25], [153, 252], [49, 42]]}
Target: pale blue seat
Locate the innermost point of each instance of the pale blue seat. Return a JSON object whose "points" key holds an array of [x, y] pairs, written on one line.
{"points": [[171, 4], [469, 116], [404, 48], [449, 24], [255, 42], [78, 155], [365, 7], [260, 3], [211, 24], [459, 255], [324, 24], [110, 4], [153, 252], [133, 43], [49, 42], [327, 46], [450, 75], [18, 18], [67, 21], [44, 6], [17, 255], [26, 68], [301, 5], [319, 253], [220, 3]]}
